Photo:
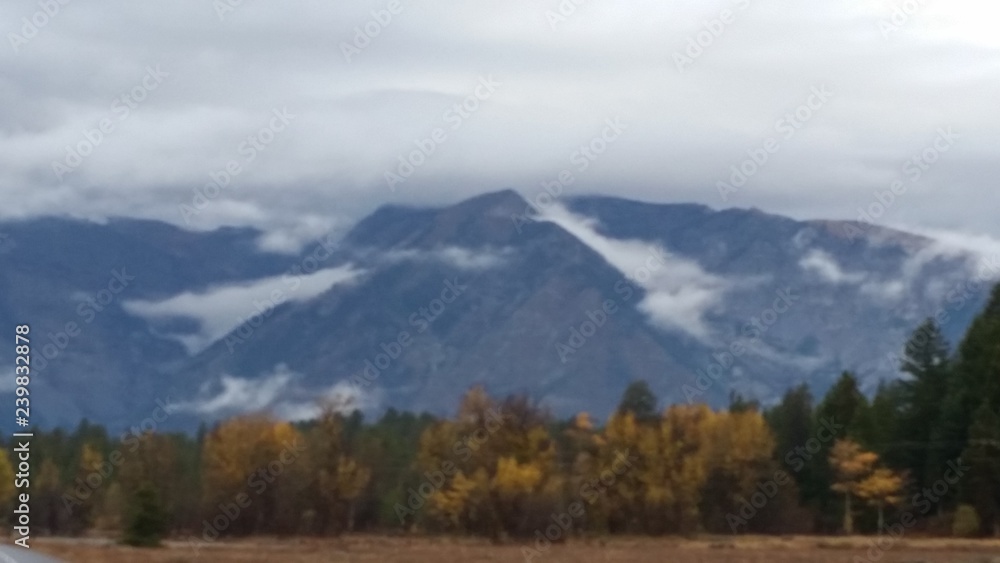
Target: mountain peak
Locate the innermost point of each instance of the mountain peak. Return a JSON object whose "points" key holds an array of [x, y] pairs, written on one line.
{"points": [[504, 202], [484, 220]]}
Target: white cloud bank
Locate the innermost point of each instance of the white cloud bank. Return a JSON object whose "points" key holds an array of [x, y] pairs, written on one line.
{"points": [[980, 254], [353, 120], [279, 393], [678, 291], [456, 256], [827, 268], [221, 309]]}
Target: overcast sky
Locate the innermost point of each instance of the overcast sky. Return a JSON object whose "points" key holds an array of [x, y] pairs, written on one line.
{"points": [[338, 109]]}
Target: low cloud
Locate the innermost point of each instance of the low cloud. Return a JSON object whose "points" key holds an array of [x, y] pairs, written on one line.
{"points": [[828, 269], [456, 256], [976, 257], [280, 393], [292, 238], [678, 291], [981, 250], [890, 290], [241, 395], [221, 309]]}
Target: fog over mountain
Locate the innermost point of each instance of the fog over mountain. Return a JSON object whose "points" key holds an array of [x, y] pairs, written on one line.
{"points": [[119, 109], [567, 302]]}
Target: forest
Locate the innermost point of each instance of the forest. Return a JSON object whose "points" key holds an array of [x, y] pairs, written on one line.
{"points": [[921, 453]]}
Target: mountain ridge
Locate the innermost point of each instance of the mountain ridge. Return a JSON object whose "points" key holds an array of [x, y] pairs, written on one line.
{"points": [[531, 287]]}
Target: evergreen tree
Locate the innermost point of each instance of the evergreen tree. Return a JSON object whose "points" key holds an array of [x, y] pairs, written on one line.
{"points": [[639, 400], [982, 486], [738, 403], [148, 521], [886, 422], [791, 421], [845, 404], [925, 359], [976, 378]]}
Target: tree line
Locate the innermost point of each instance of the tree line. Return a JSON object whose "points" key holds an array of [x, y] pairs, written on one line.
{"points": [[922, 453]]}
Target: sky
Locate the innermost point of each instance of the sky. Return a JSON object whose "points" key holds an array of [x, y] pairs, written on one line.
{"points": [[301, 117]]}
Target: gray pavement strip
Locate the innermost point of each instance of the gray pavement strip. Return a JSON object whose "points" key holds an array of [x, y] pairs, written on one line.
{"points": [[10, 554]]}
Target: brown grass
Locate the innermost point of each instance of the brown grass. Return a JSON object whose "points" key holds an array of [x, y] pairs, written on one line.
{"points": [[378, 549]]}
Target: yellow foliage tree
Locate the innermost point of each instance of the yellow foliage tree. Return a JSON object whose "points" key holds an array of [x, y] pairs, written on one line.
{"points": [[513, 479], [246, 461], [340, 478], [582, 422], [154, 465], [487, 470], [660, 488], [618, 499], [685, 433], [7, 490], [52, 504], [851, 466], [739, 456], [88, 491], [461, 500], [881, 488]]}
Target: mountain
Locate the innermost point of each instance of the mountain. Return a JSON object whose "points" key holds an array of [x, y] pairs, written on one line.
{"points": [[414, 305]]}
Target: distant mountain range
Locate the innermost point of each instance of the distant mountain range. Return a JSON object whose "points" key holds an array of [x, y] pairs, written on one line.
{"points": [[567, 303]]}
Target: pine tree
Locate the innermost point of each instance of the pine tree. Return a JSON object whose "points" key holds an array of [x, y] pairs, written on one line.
{"points": [[738, 403], [982, 486], [148, 521], [845, 404], [791, 421], [976, 378], [885, 415], [152, 465], [926, 360], [639, 400]]}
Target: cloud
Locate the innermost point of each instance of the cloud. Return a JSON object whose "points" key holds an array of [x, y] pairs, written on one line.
{"points": [[221, 309], [889, 290], [342, 396], [242, 395], [678, 292], [980, 249], [894, 286], [354, 119], [455, 256], [768, 353], [291, 239], [976, 255], [828, 269], [279, 392]]}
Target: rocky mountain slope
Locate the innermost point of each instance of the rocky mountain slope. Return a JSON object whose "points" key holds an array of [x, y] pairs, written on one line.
{"points": [[413, 306]]}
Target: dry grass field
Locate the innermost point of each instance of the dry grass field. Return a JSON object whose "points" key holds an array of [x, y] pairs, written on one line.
{"points": [[376, 549]]}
